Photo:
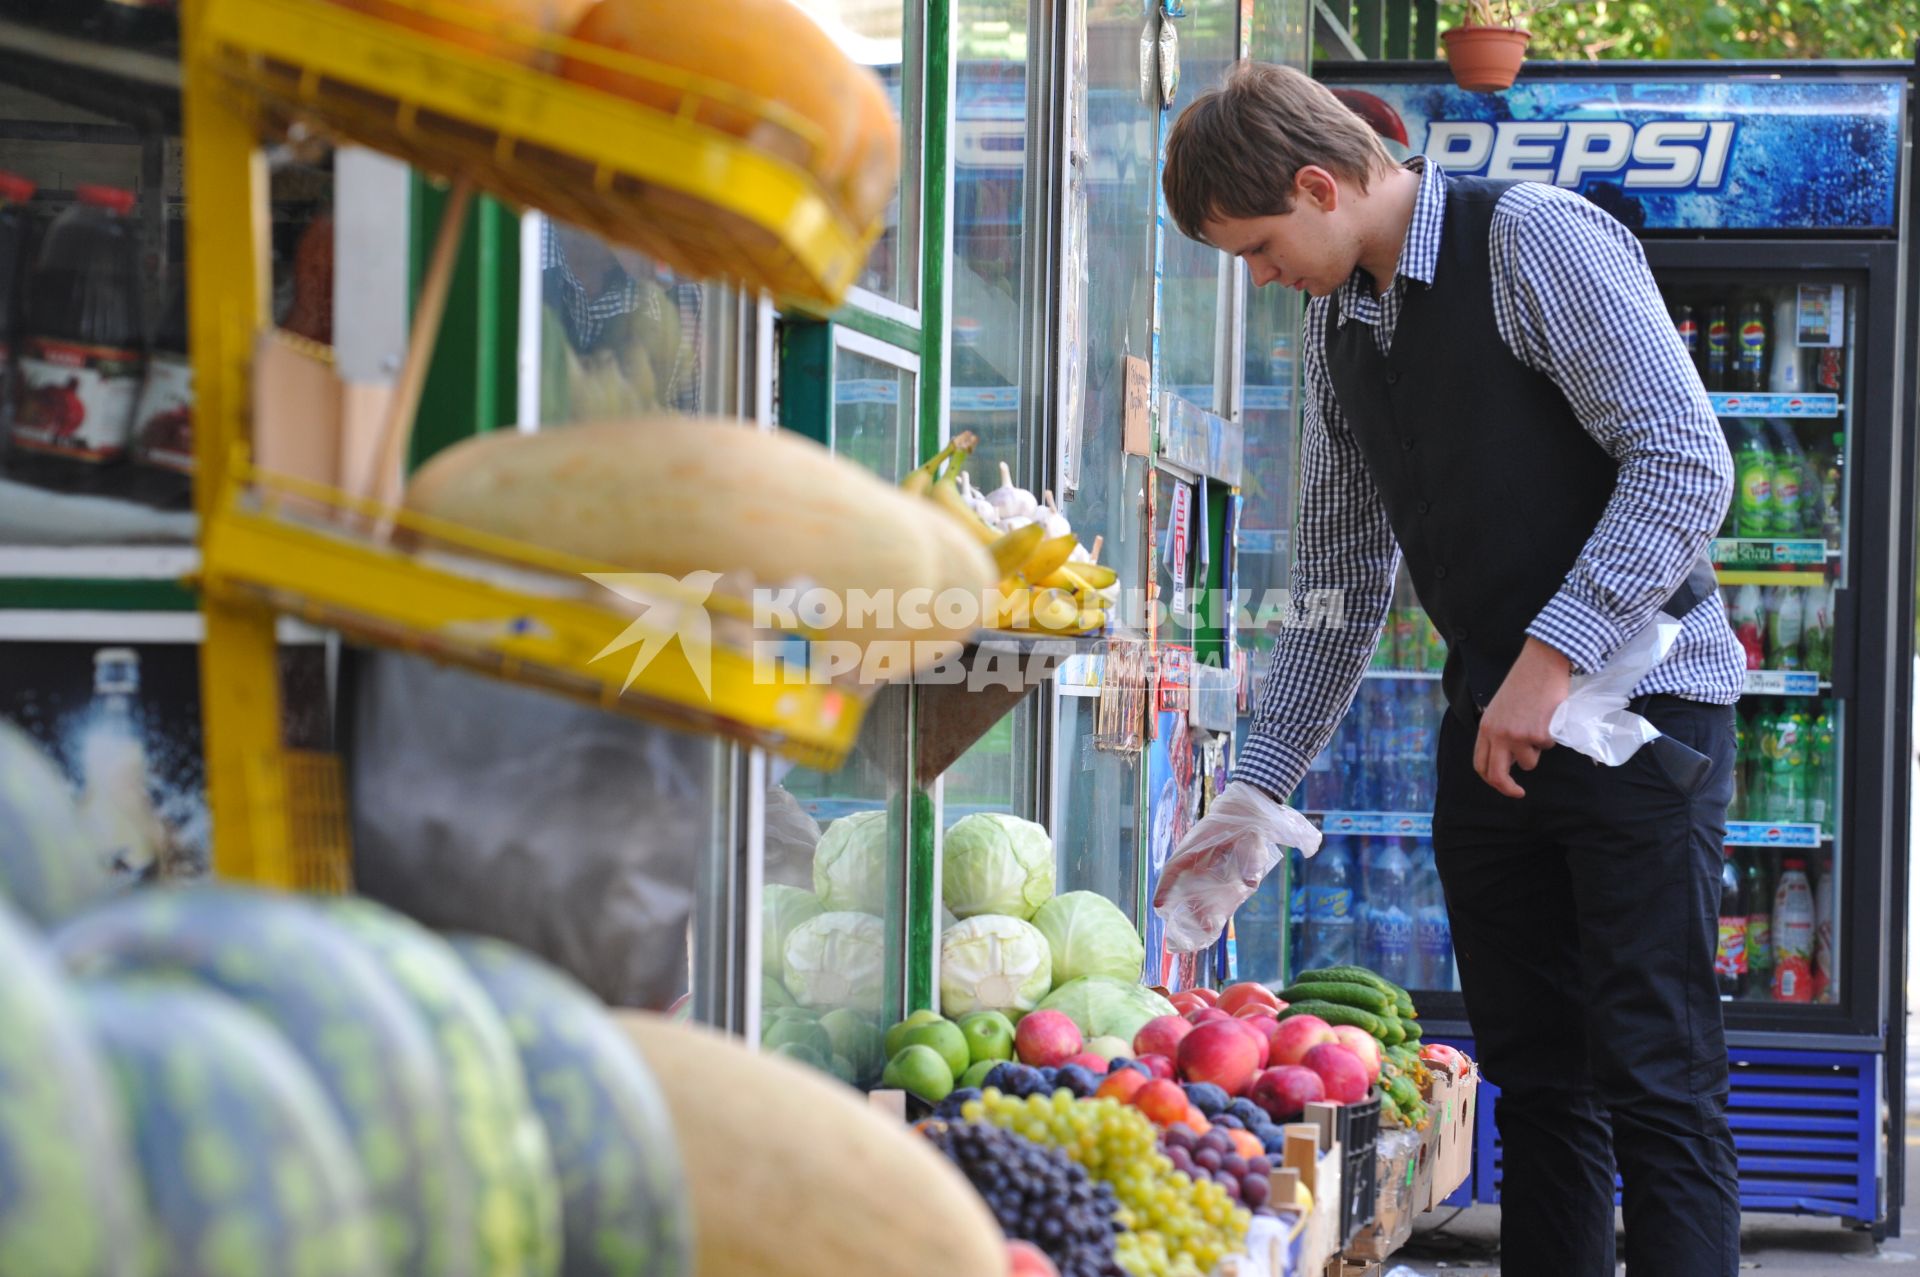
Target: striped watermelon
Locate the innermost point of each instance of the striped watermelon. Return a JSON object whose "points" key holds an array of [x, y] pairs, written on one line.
{"points": [[624, 1204], [69, 1189], [48, 865], [501, 1135], [248, 1172], [363, 1041]]}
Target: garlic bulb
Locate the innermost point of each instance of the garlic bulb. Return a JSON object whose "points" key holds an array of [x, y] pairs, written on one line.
{"points": [[1012, 502], [978, 503], [1051, 518]]}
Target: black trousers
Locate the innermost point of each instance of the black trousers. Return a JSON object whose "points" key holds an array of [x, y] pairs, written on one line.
{"points": [[1584, 925]]}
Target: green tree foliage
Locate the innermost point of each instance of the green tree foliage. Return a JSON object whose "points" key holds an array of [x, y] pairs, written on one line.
{"points": [[1577, 30]]}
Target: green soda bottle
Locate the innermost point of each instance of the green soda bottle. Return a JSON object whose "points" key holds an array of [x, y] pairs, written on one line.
{"points": [[1790, 766], [1759, 925], [1821, 777], [1753, 477], [1737, 806], [1763, 742]]}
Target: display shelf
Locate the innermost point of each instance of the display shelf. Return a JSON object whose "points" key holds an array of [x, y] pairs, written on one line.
{"points": [[1770, 576], [1430, 676], [1761, 833], [697, 199], [517, 613], [136, 87], [1756, 404], [1785, 683], [1381, 824]]}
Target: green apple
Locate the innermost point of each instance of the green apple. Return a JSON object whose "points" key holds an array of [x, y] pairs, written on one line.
{"points": [[919, 1070], [945, 1037], [976, 1074], [989, 1036], [897, 1035]]}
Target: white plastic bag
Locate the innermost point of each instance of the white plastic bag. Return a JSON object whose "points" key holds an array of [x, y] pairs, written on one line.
{"points": [[1594, 719], [1221, 862]]}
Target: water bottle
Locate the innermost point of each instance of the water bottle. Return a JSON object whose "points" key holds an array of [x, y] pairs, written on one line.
{"points": [[1389, 916], [1349, 774], [1296, 914], [1331, 923], [1432, 929], [1321, 789], [1383, 739], [1363, 782], [1422, 720]]}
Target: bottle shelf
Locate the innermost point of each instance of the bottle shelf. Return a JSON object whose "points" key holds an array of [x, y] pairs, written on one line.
{"points": [[1429, 676], [1752, 833], [1767, 552], [1760, 404], [697, 199], [1785, 683]]}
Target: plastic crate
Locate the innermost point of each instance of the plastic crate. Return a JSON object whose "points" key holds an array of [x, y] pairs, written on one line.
{"points": [[1358, 1130]]}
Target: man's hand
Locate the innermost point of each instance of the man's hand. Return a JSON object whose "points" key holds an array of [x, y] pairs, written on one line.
{"points": [[1513, 731], [1221, 862]]}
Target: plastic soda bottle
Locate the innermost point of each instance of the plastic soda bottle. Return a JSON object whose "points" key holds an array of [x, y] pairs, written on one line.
{"points": [[1753, 477], [1750, 349], [1686, 323], [1818, 639], [1789, 786], [1432, 929], [1787, 377], [1719, 350], [1389, 917], [1832, 490], [1321, 787], [1789, 475], [1730, 954], [1793, 938], [1821, 772], [1823, 972], [1349, 775], [1331, 924], [1759, 925], [1737, 805], [1383, 740], [1763, 740], [1786, 627], [1436, 654], [1747, 617]]}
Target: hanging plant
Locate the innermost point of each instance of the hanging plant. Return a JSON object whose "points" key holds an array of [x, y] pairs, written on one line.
{"points": [[1486, 49]]}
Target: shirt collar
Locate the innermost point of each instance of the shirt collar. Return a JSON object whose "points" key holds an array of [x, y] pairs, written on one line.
{"points": [[1419, 253]]}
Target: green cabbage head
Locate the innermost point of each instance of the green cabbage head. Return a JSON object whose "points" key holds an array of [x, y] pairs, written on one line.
{"points": [[996, 864], [993, 963], [1089, 935], [850, 864], [837, 960], [781, 910], [1104, 1007]]}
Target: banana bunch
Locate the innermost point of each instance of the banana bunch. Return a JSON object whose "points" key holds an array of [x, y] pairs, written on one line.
{"points": [[1048, 580]]}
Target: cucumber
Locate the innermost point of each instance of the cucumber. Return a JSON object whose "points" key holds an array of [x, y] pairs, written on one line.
{"points": [[1396, 1032], [1404, 1092], [1347, 993], [1337, 1013], [1348, 975], [1403, 1003], [1413, 1029]]}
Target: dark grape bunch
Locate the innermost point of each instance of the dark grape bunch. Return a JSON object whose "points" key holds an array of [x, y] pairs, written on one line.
{"points": [[1038, 1194], [1212, 1156]]}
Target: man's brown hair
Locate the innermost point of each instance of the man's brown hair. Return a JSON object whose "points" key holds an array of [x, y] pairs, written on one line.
{"points": [[1234, 152]]}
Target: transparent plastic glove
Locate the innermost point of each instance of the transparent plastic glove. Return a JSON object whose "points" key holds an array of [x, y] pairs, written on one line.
{"points": [[1594, 719], [1222, 860]]}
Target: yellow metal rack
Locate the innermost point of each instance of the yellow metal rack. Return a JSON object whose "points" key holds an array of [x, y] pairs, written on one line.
{"points": [[690, 195]]}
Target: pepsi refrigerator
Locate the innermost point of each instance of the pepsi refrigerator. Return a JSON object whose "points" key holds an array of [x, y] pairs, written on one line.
{"points": [[1773, 202]]}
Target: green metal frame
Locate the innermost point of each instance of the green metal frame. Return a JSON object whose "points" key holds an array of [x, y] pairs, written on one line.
{"points": [[95, 594]]}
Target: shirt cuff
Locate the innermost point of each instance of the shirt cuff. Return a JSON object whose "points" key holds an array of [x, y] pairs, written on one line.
{"points": [[1579, 633], [1270, 766]]}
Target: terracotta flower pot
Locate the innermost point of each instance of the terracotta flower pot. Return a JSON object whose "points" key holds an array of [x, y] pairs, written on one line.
{"points": [[1485, 59]]}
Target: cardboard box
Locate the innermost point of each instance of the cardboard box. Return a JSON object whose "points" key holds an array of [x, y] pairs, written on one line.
{"points": [[1397, 1160], [1452, 1105]]}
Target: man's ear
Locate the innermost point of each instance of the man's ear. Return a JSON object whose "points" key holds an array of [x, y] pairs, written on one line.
{"points": [[1317, 187]]}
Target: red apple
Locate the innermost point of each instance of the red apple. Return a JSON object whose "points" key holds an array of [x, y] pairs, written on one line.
{"points": [[1446, 1057], [1364, 1046], [1190, 1000], [1162, 1065], [1122, 1085], [1247, 993], [1210, 996], [1223, 1054], [1286, 1090], [1207, 1015], [1258, 1036], [1160, 1036], [1046, 1039], [1340, 1072], [1255, 1011], [1297, 1035], [1162, 1101], [1024, 1259], [1096, 1064]]}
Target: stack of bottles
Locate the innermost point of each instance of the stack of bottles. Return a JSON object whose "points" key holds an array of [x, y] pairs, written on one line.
{"points": [[1376, 902], [1782, 489], [1783, 627], [1381, 758], [1776, 927], [1786, 769]]}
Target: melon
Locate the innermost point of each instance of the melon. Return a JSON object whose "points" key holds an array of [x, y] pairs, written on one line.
{"points": [[248, 1172], [49, 867], [70, 1203], [517, 1196], [364, 1043], [623, 1200]]}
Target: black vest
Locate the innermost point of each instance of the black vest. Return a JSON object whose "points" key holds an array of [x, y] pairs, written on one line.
{"points": [[1491, 483]]}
